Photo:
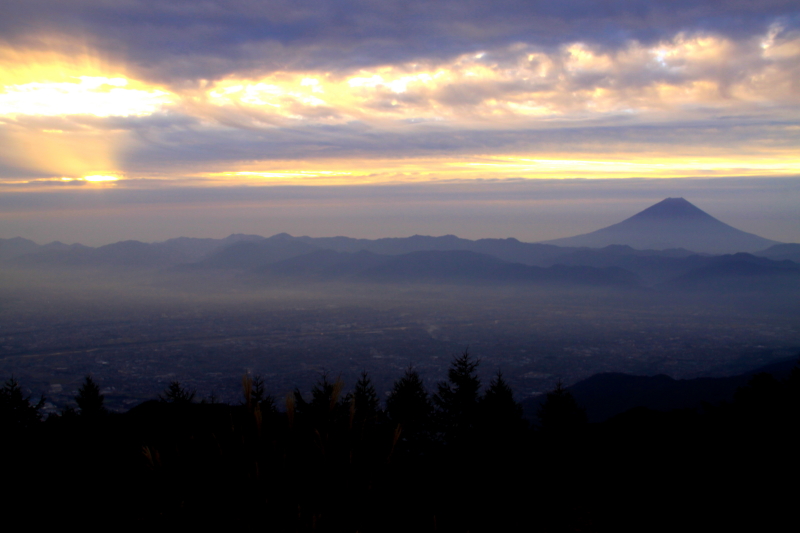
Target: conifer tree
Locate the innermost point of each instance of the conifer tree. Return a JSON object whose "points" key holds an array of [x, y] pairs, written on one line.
{"points": [[325, 395], [89, 399], [16, 411], [500, 424], [457, 398], [325, 405], [177, 394], [267, 405], [259, 390], [498, 407], [365, 399], [255, 392], [560, 413], [408, 403]]}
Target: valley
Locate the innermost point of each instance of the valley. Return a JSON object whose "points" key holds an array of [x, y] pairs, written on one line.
{"points": [[137, 316]]}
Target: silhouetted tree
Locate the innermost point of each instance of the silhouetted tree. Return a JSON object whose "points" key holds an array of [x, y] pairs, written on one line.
{"points": [[268, 405], [793, 389], [89, 399], [365, 399], [325, 404], [500, 414], [254, 390], [408, 403], [457, 398], [560, 413], [16, 411], [175, 393], [259, 391], [265, 402]]}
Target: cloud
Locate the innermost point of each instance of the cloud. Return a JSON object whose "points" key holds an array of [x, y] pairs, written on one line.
{"points": [[684, 74], [184, 40], [387, 90]]}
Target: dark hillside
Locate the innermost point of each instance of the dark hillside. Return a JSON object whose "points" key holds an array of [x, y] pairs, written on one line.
{"points": [[610, 394]]}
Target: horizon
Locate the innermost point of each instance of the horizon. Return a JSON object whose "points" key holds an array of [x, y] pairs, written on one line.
{"points": [[530, 211], [145, 121]]}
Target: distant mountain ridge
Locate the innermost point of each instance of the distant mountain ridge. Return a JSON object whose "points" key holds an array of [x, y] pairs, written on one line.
{"points": [[738, 272], [782, 252], [656, 247], [434, 266], [671, 223]]}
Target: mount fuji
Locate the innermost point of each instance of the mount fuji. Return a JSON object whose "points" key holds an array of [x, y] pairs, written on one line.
{"points": [[671, 223]]}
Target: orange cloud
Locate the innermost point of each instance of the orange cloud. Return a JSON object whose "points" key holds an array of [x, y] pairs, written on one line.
{"points": [[520, 84], [47, 99], [552, 166]]}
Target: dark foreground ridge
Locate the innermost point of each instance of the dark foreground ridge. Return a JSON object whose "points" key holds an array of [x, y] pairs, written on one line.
{"points": [[460, 459], [613, 393]]}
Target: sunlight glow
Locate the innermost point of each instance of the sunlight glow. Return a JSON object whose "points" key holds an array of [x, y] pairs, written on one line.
{"points": [[409, 170], [101, 177], [86, 95]]}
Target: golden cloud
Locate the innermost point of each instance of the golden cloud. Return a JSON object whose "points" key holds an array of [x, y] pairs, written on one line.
{"points": [[515, 83], [517, 87], [38, 84], [54, 83], [521, 84], [554, 166]]}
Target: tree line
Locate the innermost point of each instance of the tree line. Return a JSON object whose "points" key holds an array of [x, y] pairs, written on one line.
{"points": [[458, 458]]}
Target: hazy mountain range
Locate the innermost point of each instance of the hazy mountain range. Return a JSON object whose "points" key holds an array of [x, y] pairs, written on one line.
{"points": [[670, 244]]}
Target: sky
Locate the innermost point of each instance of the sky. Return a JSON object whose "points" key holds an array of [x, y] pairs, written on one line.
{"points": [[149, 119]]}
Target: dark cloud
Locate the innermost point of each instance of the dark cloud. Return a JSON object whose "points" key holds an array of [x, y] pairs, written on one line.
{"points": [[185, 40], [161, 147], [12, 172], [489, 191]]}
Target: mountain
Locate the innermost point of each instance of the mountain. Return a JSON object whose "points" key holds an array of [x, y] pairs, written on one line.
{"points": [[681, 269], [188, 249], [21, 253], [653, 266], [123, 254], [327, 265], [449, 266], [782, 252], [671, 223], [609, 394], [509, 249], [253, 254], [16, 247], [10, 248], [740, 272]]}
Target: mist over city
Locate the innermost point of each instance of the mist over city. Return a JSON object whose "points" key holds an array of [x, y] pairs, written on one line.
{"points": [[205, 311]]}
